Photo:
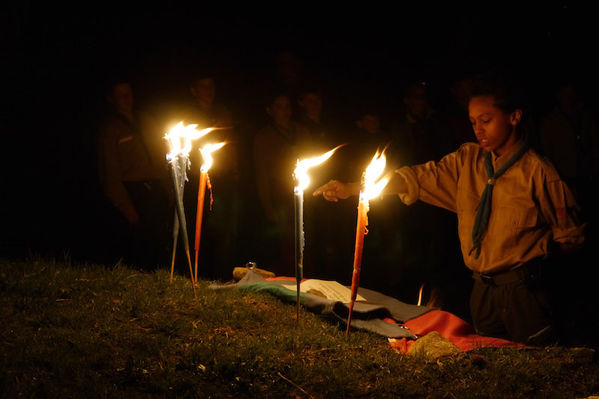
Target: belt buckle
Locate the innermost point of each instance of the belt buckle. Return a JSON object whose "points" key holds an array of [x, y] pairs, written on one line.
{"points": [[485, 278]]}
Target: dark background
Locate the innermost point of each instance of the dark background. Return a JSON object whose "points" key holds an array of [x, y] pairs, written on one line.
{"points": [[58, 58]]}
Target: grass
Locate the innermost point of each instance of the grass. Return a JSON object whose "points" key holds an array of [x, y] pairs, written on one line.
{"points": [[97, 331]]}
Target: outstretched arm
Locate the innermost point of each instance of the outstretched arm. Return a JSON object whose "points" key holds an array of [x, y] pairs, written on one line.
{"points": [[335, 190]]}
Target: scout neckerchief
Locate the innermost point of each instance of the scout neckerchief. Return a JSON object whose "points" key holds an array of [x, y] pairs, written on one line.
{"points": [[484, 207]]}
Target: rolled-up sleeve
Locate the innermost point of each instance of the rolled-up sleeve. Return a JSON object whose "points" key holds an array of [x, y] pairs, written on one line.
{"points": [[432, 182], [561, 211]]}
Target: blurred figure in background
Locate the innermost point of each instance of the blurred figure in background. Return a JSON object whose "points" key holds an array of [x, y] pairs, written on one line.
{"points": [[320, 256], [205, 110], [276, 149], [289, 75], [218, 253], [418, 131], [456, 113], [312, 120], [368, 137], [569, 138], [426, 240], [133, 175], [330, 244]]}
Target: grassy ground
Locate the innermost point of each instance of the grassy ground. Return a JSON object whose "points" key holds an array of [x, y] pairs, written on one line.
{"points": [[95, 331]]}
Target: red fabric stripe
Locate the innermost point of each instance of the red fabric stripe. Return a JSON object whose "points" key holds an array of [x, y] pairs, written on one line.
{"points": [[451, 327], [447, 324]]}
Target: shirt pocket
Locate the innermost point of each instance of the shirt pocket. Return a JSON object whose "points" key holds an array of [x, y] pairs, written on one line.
{"points": [[516, 218]]}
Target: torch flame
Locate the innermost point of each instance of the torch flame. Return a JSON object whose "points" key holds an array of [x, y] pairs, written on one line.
{"points": [[372, 187], [180, 138], [206, 152], [420, 295], [301, 171]]}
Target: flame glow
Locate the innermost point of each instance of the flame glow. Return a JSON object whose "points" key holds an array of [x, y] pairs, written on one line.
{"points": [[206, 152], [180, 137], [372, 187], [420, 295], [301, 171]]}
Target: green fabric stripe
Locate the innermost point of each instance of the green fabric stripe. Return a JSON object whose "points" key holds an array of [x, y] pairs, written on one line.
{"points": [[275, 289]]}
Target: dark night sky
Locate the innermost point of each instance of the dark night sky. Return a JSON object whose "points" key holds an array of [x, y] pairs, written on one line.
{"points": [[59, 56]]}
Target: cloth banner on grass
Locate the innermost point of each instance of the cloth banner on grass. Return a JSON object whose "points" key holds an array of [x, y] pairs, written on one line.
{"points": [[369, 314], [402, 323]]}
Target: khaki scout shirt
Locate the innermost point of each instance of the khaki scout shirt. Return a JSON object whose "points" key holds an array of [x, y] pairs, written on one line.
{"points": [[126, 155], [531, 205]]}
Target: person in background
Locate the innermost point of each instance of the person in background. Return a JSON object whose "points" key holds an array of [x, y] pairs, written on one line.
{"points": [[218, 253], [312, 120], [367, 137], [418, 132], [570, 139], [288, 75], [426, 240], [276, 149], [133, 175], [455, 114], [205, 111], [332, 238]]}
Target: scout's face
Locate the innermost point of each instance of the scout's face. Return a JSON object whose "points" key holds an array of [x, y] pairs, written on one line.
{"points": [[495, 129]]}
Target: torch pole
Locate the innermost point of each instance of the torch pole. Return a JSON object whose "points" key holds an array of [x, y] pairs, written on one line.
{"points": [[199, 214], [360, 232], [178, 171], [299, 243], [175, 238]]}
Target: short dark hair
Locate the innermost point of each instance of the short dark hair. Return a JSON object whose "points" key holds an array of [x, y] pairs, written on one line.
{"points": [[505, 89], [509, 95]]}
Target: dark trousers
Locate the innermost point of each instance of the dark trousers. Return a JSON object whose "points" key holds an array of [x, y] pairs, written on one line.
{"points": [[149, 237], [519, 311]]}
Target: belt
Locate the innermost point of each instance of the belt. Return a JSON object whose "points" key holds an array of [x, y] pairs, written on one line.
{"points": [[512, 276], [529, 271]]}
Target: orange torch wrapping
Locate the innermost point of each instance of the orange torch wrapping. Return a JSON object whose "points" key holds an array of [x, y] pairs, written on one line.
{"points": [[199, 214], [372, 186], [361, 231], [206, 152]]}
